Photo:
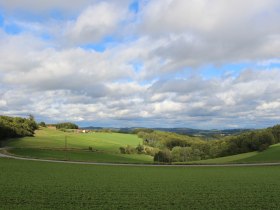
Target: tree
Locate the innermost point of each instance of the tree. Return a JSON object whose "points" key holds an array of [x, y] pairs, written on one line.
{"points": [[122, 150], [42, 124], [140, 149], [66, 125], [163, 156], [11, 127], [177, 154], [276, 133]]}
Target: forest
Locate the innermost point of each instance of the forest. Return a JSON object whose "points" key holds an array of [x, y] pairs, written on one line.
{"points": [[172, 147]]}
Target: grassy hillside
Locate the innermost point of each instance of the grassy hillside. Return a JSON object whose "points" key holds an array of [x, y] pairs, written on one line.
{"points": [[50, 143], [272, 154], [82, 155], [51, 138], [37, 185]]}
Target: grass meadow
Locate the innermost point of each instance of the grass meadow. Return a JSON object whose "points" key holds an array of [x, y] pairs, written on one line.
{"points": [[50, 144], [271, 155], [52, 138]]}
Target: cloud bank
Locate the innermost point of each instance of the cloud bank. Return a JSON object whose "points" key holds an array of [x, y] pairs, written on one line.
{"points": [[160, 63]]}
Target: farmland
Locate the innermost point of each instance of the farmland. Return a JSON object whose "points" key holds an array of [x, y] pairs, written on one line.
{"points": [[51, 138], [35, 185], [46, 185], [50, 144]]}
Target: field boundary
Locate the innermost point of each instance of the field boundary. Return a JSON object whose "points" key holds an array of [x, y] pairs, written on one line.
{"points": [[5, 155]]}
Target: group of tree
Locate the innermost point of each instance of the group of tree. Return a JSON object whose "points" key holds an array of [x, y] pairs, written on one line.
{"points": [[11, 127], [182, 148], [66, 125], [139, 149], [131, 150]]}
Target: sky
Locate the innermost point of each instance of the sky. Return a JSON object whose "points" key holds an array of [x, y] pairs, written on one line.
{"points": [[142, 63]]}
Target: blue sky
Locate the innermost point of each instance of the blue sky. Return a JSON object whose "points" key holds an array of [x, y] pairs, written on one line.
{"points": [[160, 63]]}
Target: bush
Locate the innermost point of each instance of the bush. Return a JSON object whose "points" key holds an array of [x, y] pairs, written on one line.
{"points": [[129, 149], [263, 147], [151, 151], [140, 149], [122, 150]]}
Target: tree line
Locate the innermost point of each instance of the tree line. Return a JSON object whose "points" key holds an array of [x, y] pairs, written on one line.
{"points": [[11, 127], [66, 125], [172, 147]]}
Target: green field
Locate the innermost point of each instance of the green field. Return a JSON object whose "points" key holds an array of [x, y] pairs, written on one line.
{"points": [[40, 185], [50, 144], [51, 138], [80, 155], [271, 155]]}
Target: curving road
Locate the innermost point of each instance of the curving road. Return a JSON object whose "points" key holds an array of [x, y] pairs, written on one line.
{"points": [[134, 164]]}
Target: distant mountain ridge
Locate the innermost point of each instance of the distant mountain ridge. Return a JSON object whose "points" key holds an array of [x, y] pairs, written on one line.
{"points": [[185, 131]]}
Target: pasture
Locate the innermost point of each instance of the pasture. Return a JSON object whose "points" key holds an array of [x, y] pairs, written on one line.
{"points": [[37, 185], [50, 144], [51, 138]]}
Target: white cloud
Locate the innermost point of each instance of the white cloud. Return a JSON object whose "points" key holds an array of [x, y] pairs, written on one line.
{"points": [[45, 5], [151, 75], [3, 103], [95, 22], [269, 106], [203, 32]]}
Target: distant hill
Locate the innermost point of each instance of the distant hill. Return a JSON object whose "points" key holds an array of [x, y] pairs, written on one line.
{"points": [[92, 128], [184, 131], [199, 132]]}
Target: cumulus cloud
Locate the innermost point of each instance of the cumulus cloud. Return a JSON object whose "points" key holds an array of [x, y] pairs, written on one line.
{"points": [[44, 6], [199, 32], [95, 22], [151, 74]]}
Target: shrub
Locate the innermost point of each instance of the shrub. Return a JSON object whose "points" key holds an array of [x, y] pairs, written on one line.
{"points": [[129, 149], [140, 149], [122, 150], [263, 147], [151, 151]]}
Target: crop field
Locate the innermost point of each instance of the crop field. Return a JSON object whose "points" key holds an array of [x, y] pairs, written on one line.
{"points": [[50, 144], [37, 185], [272, 154]]}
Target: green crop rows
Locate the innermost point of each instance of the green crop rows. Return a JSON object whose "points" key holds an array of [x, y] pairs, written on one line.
{"points": [[36, 185]]}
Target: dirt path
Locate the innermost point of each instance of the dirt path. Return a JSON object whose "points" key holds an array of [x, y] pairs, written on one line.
{"points": [[131, 164]]}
